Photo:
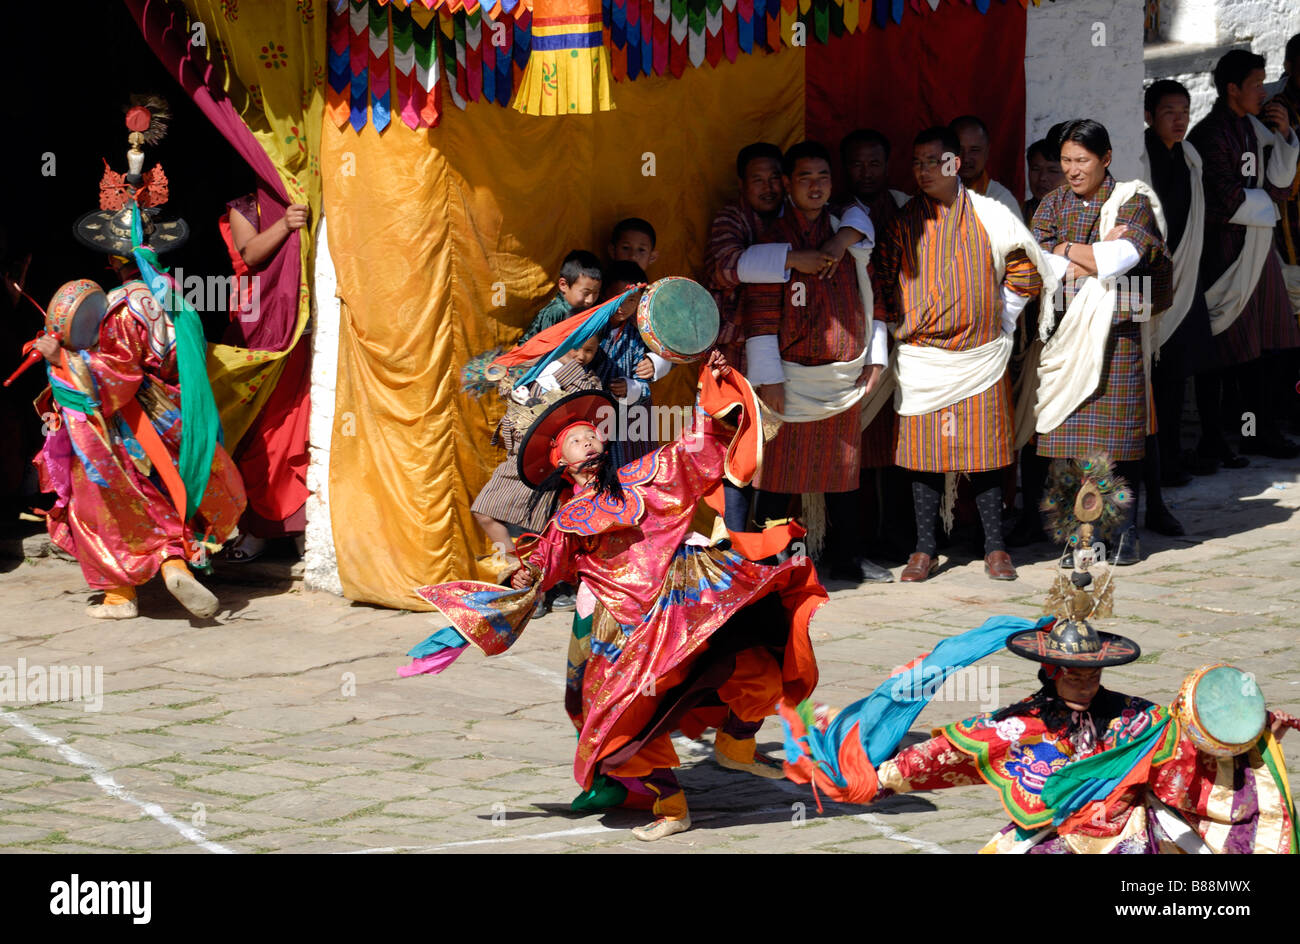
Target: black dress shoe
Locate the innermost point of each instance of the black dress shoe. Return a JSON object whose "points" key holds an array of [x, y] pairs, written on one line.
{"points": [[860, 570], [1174, 478], [1162, 521], [1127, 548], [1233, 461]]}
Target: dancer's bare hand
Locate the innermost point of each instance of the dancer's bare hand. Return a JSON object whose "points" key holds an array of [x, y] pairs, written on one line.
{"points": [[521, 579], [1280, 722], [48, 347], [645, 369]]}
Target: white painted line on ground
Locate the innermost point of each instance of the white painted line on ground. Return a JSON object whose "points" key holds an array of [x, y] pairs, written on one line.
{"points": [[100, 775], [889, 832]]}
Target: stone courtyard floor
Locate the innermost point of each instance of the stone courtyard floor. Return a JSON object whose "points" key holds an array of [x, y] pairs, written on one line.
{"points": [[281, 725]]}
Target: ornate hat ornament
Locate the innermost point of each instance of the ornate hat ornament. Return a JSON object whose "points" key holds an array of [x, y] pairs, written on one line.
{"points": [[108, 229], [1083, 497]]}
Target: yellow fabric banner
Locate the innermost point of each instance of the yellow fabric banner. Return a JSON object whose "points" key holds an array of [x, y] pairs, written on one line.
{"points": [[273, 59], [446, 241]]}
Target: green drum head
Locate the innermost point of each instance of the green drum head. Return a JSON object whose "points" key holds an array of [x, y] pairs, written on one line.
{"points": [[684, 317], [1230, 706]]}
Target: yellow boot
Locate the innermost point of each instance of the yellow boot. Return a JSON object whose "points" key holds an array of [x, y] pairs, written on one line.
{"points": [[673, 815], [743, 755], [119, 603]]}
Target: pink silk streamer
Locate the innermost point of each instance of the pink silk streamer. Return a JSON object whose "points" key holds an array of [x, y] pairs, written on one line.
{"points": [[431, 665]]}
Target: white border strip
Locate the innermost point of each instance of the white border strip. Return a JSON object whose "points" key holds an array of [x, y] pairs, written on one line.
{"points": [[100, 775]]}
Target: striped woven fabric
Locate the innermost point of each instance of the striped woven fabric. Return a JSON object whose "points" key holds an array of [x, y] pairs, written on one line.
{"points": [[1115, 418], [812, 458], [974, 435], [934, 278], [880, 440]]}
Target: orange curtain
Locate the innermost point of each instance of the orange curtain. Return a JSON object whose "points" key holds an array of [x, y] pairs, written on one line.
{"points": [[447, 240]]}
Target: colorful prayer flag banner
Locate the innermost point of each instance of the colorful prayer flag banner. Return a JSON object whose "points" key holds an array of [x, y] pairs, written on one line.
{"points": [[564, 52]]}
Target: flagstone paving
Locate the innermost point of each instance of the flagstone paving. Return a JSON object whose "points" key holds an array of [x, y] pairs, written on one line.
{"points": [[281, 725]]}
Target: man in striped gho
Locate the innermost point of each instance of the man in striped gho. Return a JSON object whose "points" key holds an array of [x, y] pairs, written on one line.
{"points": [[952, 275], [812, 356]]}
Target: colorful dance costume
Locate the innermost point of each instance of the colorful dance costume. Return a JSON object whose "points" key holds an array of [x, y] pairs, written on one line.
{"points": [[684, 635], [136, 491], [1119, 775]]}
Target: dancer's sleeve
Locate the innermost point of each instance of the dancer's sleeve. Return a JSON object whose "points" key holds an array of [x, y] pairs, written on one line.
{"points": [[117, 364], [692, 464], [554, 554], [930, 765]]}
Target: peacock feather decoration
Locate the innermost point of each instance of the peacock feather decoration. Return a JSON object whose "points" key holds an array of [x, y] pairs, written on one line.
{"points": [[479, 377], [1084, 495]]}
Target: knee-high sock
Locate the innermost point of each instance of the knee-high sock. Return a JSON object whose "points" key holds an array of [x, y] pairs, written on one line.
{"points": [[896, 488], [987, 487], [1276, 390], [740, 730], [927, 493], [1254, 382]]}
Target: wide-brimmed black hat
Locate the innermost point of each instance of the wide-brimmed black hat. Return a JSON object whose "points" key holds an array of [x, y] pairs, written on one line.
{"points": [[550, 413], [1074, 644], [109, 231]]}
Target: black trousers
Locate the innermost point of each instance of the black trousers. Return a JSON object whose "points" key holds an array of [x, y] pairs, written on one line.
{"points": [[1169, 387]]}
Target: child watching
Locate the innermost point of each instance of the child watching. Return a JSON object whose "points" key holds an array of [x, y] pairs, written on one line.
{"points": [[579, 287], [630, 367], [502, 505], [633, 240], [503, 502]]}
